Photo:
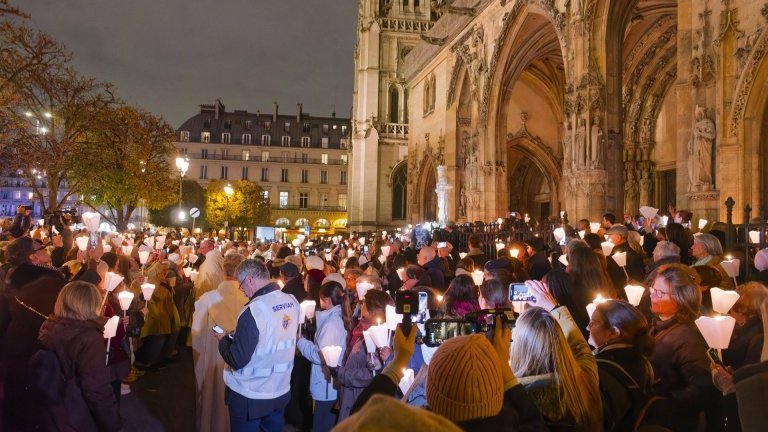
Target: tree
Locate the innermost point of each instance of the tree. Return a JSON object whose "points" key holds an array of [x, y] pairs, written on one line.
{"points": [[246, 207], [125, 163], [52, 109], [192, 196]]}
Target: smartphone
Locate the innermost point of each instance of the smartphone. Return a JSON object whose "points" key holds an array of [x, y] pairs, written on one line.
{"points": [[217, 329], [438, 331], [712, 353], [520, 292], [365, 248], [421, 317], [442, 244]]}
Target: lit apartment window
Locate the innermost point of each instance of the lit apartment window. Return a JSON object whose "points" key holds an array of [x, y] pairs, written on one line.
{"points": [[204, 153], [344, 158], [265, 174], [265, 156], [303, 200], [344, 130], [285, 141], [245, 173], [265, 140], [225, 138], [343, 177], [224, 173], [184, 136], [304, 176], [203, 172], [343, 201], [246, 139], [246, 155], [324, 142], [205, 137], [30, 195], [17, 195], [265, 194], [323, 177], [324, 158], [305, 141], [323, 199], [283, 199], [284, 175]]}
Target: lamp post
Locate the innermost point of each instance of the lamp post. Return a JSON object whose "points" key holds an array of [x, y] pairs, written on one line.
{"points": [[182, 163], [227, 192]]}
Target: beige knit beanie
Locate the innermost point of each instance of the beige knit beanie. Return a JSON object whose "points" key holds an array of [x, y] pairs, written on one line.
{"points": [[464, 380]]}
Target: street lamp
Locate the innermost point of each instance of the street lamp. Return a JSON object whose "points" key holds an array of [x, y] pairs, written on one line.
{"points": [[182, 163], [228, 191]]}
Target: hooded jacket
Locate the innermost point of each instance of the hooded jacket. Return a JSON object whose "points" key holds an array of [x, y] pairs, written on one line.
{"points": [[330, 331], [89, 402]]}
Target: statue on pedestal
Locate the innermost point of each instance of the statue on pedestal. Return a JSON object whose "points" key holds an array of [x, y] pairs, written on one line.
{"points": [[441, 190], [581, 144], [596, 144], [700, 151]]}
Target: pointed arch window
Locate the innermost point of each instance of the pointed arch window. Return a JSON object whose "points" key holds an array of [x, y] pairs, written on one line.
{"points": [[400, 192], [394, 104]]}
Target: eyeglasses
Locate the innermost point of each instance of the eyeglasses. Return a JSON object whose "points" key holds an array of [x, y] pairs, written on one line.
{"points": [[657, 292]]}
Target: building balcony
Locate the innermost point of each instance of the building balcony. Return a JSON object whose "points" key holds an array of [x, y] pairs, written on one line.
{"points": [[393, 130], [271, 159]]}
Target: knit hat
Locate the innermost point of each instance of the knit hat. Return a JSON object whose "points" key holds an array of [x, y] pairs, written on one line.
{"points": [[383, 413], [464, 380], [335, 277], [761, 260], [314, 262]]}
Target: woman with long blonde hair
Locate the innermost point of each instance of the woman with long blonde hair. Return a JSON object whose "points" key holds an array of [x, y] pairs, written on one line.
{"points": [[552, 360]]}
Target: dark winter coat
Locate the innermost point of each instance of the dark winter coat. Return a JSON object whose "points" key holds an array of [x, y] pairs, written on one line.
{"points": [[89, 402], [295, 287], [682, 368], [635, 269], [436, 271], [618, 405]]}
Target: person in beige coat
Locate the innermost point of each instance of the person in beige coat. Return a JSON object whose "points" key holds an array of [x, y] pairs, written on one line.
{"points": [[221, 307]]}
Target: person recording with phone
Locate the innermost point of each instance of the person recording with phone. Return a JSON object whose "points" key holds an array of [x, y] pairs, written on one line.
{"points": [[469, 382], [552, 360]]}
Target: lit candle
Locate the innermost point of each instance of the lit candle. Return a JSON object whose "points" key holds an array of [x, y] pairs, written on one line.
{"points": [[634, 294], [477, 277], [515, 252]]}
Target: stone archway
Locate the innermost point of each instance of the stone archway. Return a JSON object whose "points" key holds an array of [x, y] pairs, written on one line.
{"points": [[428, 195]]}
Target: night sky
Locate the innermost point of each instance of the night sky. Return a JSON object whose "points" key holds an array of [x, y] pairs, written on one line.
{"points": [[170, 56]]}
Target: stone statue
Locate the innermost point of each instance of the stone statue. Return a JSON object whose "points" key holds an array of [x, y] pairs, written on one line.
{"points": [[645, 188], [463, 201], [631, 193], [567, 137], [596, 144], [441, 190], [700, 151], [581, 144]]}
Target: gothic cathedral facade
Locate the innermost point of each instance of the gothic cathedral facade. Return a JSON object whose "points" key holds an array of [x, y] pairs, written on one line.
{"points": [[540, 106]]}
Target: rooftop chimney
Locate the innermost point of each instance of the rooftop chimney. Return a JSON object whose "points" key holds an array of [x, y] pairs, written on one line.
{"points": [[298, 116], [274, 119]]}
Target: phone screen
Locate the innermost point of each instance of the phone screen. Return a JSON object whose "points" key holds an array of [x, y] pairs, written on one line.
{"points": [[442, 244], [712, 353], [421, 317], [439, 331], [520, 292], [217, 329]]}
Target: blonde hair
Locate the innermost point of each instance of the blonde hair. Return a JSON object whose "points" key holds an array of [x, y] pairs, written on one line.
{"points": [[539, 348], [78, 301], [751, 298]]}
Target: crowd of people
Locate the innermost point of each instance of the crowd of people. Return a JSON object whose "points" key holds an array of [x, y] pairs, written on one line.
{"points": [[282, 334]]}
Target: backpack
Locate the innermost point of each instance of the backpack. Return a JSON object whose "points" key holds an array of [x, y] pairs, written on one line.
{"points": [[639, 397], [46, 381]]}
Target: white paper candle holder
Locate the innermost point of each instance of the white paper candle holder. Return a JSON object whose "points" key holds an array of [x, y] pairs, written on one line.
{"points": [[331, 355], [717, 331], [125, 298], [634, 294], [722, 300]]}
